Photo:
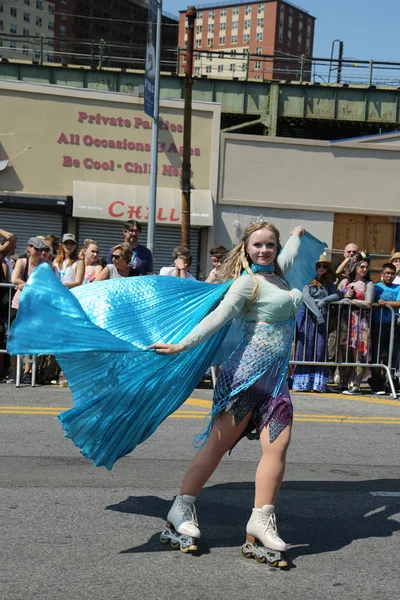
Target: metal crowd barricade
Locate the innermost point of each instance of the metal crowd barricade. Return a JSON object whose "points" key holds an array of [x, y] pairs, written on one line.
{"points": [[10, 287], [375, 347]]}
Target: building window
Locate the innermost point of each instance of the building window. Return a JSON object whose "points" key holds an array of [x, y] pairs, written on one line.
{"points": [[52, 8], [1, 26], [199, 15], [25, 50], [197, 70], [289, 38], [199, 29], [280, 37], [209, 42], [221, 55], [209, 56], [247, 10], [63, 30], [256, 77], [259, 37], [13, 29], [27, 17], [260, 22], [39, 4], [257, 65], [51, 26], [25, 32], [232, 67], [13, 45], [246, 38], [39, 21], [13, 11], [234, 39], [210, 14], [63, 15], [290, 23], [211, 28], [220, 68], [198, 43], [235, 24], [233, 52], [260, 8], [50, 43], [223, 12], [235, 10], [244, 67], [283, 10], [1, 8], [247, 24], [258, 50], [222, 26], [197, 57], [300, 25], [208, 69], [222, 40], [27, 2]]}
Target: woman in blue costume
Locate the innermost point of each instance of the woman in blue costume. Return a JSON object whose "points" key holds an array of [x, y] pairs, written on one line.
{"points": [[251, 396], [101, 336]]}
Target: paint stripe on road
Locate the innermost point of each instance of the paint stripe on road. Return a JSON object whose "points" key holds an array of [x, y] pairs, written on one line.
{"points": [[386, 494]]}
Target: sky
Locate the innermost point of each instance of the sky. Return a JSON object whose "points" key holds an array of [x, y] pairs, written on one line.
{"points": [[369, 29]]}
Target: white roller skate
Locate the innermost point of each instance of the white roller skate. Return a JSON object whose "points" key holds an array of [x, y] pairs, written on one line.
{"points": [[182, 527], [262, 528]]}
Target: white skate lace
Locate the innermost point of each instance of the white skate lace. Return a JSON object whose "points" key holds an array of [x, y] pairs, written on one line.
{"points": [[189, 510], [270, 526]]}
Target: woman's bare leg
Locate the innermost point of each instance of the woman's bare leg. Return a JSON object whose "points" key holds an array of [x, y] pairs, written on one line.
{"points": [[271, 467], [222, 437]]}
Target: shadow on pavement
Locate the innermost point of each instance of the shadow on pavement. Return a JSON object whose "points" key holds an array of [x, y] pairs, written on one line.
{"points": [[313, 516]]}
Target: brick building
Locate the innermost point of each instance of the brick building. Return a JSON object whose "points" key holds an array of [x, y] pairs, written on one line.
{"points": [[227, 34], [69, 32]]}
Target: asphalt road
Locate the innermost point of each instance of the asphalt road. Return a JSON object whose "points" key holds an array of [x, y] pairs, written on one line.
{"points": [[70, 530]]}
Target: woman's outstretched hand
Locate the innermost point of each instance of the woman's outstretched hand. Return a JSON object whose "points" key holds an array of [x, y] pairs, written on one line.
{"points": [[167, 348], [299, 231]]}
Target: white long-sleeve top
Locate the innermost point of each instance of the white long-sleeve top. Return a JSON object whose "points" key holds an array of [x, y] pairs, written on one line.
{"points": [[273, 304]]}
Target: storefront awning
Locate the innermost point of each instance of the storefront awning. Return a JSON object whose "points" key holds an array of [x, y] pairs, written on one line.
{"points": [[117, 202]]}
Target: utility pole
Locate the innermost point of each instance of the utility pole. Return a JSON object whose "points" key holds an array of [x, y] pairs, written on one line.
{"points": [[340, 63], [187, 128]]}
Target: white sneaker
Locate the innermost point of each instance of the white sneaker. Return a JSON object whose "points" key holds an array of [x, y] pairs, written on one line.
{"points": [[183, 516], [262, 526], [352, 391]]}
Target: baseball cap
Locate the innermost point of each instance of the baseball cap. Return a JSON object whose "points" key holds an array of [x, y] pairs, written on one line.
{"points": [[68, 237], [37, 243]]}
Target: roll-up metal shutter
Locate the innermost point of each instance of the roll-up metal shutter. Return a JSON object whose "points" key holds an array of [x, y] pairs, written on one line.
{"points": [[108, 234], [25, 223]]}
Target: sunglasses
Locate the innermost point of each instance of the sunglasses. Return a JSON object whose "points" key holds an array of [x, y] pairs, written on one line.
{"points": [[41, 249], [115, 256], [319, 265]]}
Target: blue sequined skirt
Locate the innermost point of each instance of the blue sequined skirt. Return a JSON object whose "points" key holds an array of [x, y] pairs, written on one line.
{"points": [[254, 379]]}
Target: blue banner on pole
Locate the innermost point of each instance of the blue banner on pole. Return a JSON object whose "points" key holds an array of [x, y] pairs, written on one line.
{"points": [[150, 72]]}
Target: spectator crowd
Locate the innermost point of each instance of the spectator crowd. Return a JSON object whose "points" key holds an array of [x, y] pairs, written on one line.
{"points": [[345, 318]]}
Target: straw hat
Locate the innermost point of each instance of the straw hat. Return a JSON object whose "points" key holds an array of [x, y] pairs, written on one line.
{"points": [[395, 255], [323, 259]]}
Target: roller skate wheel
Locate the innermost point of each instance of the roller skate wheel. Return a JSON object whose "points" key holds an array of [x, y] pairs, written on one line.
{"points": [[261, 559], [164, 539], [175, 545], [245, 553]]}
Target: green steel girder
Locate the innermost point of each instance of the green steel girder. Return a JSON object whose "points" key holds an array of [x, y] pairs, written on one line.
{"points": [[269, 100]]}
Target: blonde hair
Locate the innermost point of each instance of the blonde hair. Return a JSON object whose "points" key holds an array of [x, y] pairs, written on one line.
{"points": [[238, 259], [126, 252]]}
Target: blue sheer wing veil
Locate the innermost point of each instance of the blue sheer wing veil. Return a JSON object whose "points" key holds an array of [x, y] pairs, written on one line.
{"points": [[100, 333]]}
